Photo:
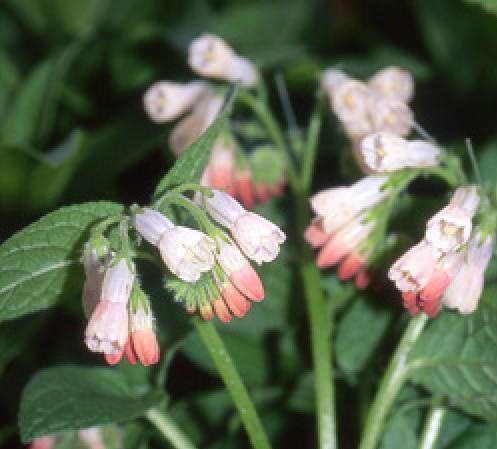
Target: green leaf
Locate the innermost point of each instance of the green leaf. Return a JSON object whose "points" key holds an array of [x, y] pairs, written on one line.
{"points": [[487, 161], [190, 165], [358, 335], [39, 261], [71, 397], [488, 5], [477, 437], [456, 357]]}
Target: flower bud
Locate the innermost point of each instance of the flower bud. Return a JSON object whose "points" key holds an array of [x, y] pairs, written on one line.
{"points": [[94, 275], [92, 438], [258, 238], [393, 82], [118, 281], [223, 208], [142, 337], [46, 442], [165, 100], [151, 225]]}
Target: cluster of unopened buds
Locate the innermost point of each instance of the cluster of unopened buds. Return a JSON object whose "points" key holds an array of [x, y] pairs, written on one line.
{"points": [[350, 223], [448, 265], [89, 438], [199, 103], [209, 272]]}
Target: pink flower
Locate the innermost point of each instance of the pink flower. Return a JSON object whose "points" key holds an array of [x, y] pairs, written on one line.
{"points": [[46, 442], [393, 82], [244, 188], [451, 227], [94, 275], [152, 225], [236, 302], [390, 115], [92, 438], [465, 290], [221, 165]]}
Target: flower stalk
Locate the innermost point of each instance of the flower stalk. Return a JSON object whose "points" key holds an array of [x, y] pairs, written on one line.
{"points": [[432, 427], [169, 429]]}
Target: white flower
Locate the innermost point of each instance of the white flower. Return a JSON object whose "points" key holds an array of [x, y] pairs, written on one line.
{"points": [[211, 56], [390, 114], [151, 225], [451, 227], [187, 252], [414, 269], [191, 127], [223, 208], [94, 276], [118, 281], [331, 78], [393, 82], [339, 205], [465, 289], [386, 152], [166, 100], [258, 238]]}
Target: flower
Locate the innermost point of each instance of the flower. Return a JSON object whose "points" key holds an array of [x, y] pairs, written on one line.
{"points": [[191, 127], [92, 438], [142, 342], [94, 275], [223, 208], [107, 329], [390, 114], [166, 100], [187, 252], [152, 225], [393, 82], [386, 152], [211, 56], [46, 442], [221, 165], [331, 78], [336, 206], [244, 187], [451, 227], [465, 289]]}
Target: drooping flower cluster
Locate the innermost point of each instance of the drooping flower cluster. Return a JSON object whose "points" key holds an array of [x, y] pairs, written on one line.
{"points": [[228, 168], [448, 265], [345, 218], [89, 438], [209, 272]]}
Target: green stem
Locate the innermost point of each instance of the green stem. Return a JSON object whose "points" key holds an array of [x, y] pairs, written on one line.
{"points": [[311, 147], [262, 112], [180, 189], [169, 429], [432, 427], [391, 383], [233, 383]]}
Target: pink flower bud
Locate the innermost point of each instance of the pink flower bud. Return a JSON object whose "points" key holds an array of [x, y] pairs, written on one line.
{"points": [[244, 188], [258, 238], [46, 442], [143, 343], [222, 164], [94, 275], [151, 225], [221, 310], [223, 208], [165, 100], [315, 235], [393, 82], [451, 227], [117, 283], [236, 302], [92, 438], [187, 252]]}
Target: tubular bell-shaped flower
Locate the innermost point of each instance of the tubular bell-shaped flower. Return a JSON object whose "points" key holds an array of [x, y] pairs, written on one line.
{"points": [[46, 442], [451, 227], [389, 114], [107, 330], [393, 82], [92, 438], [94, 264], [167, 100], [385, 152], [211, 56]]}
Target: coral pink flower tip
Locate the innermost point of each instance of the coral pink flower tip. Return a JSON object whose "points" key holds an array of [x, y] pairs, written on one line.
{"points": [[206, 312], [410, 302], [349, 267], [236, 302], [245, 190], [431, 308], [221, 311], [46, 442], [146, 346], [314, 234], [248, 282], [435, 287], [331, 254], [129, 352], [113, 359], [363, 279]]}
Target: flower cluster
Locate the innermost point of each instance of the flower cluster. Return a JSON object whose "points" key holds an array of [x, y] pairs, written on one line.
{"points": [[89, 438], [228, 168], [210, 271], [448, 265]]}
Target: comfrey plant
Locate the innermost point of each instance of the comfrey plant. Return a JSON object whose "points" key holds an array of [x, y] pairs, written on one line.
{"points": [[209, 250]]}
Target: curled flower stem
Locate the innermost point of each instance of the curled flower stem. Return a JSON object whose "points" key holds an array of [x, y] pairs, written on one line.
{"points": [[199, 216], [180, 189], [432, 427], [234, 384], [391, 383], [169, 429]]}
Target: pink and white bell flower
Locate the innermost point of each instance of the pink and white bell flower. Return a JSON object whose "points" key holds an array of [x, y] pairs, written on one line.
{"points": [[107, 329], [238, 269], [350, 102], [384, 152], [142, 342], [414, 269], [167, 100], [393, 82], [221, 165], [331, 78], [451, 227], [223, 208], [337, 206], [236, 303], [92, 438], [211, 56], [390, 114], [94, 274], [191, 127], [465, 289], [46, 442], [244, 188], [152, 225]]}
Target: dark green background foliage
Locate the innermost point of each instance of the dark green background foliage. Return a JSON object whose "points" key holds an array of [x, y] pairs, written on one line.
{"points": [[72, 130]]}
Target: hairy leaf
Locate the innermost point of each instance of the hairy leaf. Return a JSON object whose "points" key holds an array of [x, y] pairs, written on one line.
{"points": [[38, 261], [72, 397]]}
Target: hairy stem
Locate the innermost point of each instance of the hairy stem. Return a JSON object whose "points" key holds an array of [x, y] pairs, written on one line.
{"points": [[391, 383], [432, 427], [169, 429], [234, 384]]}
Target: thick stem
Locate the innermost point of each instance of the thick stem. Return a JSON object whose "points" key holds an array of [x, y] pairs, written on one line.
{"points": [[391, 383], [432, 427], [233, 383], [169, 429]]}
